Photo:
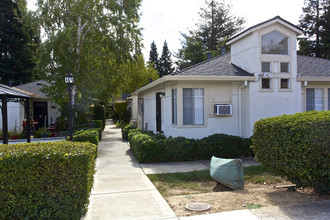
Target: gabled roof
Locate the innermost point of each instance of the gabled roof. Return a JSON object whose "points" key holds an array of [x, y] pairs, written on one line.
{"points": [[218, 66], [313, 67], [276, 19], [35, 88], [13, 92]]}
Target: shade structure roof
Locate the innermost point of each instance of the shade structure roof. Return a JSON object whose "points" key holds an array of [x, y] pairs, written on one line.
{"points": [[13, 92]]}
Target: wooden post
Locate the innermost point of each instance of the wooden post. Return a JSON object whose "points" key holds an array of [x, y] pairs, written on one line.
{"points": [[4, 119], [28, 123]]}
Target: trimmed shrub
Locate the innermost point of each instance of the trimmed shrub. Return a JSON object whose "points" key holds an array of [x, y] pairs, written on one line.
{"points": [[99, 114], [98, 123], [149, 147], [90, 135], [122, 112], [120, 107], [41, 131], [125, 130], [226, 146], [296, 146], [49, 180]]}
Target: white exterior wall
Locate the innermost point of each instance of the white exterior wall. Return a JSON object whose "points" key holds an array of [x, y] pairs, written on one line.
{"points": [[245, 53], [134, 103], [150, 110], [14, 116], [53, 112], [214, 93]]}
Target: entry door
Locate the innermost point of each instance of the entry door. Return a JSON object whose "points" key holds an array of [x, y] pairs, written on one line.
{"points": [[158, 112], [40, 113]]}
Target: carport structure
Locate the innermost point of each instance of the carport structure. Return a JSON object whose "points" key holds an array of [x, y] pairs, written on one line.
{"points": [[10, 94]]}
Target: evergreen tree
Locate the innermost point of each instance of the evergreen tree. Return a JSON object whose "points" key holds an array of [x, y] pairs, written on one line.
{"points": [[191, 52], [315, 22], [216, 24], [16, 58], [215, 27], [165, 62], [153, 56]]}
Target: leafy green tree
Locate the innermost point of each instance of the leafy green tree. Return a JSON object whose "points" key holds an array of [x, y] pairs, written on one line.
{"points": [[92, 39], [17, 62], [153, 56], [138, 74], [165, 62], [315, 22], [215, 27]]}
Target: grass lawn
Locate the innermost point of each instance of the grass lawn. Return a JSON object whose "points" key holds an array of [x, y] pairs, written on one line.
{"points": [[174, 184]]}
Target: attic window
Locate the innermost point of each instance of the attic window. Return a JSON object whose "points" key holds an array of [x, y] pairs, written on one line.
{"points": [[274, 43]]}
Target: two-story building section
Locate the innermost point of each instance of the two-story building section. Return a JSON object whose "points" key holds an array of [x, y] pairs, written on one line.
{"points": [[261, 77]]}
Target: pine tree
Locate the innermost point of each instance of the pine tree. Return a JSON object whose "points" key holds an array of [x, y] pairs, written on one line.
{"points": [[216, 24], [16, 58], [191, 52], [315, 22], [215, 27], [153, 56], [165, 62]]}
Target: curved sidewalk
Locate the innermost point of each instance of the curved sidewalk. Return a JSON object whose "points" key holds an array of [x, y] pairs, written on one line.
{"points": [[121, 189]]}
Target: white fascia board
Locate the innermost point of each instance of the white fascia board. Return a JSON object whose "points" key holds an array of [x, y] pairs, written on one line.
{"points": [[261, 26], [194, 78], [313, 79]]}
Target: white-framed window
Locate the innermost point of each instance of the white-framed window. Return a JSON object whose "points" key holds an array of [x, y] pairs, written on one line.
{"points": [[314, 99], [266, 84], [193, 106], [274, 43], [284, 83], [265, 67], [174, 106], [285, 67]]}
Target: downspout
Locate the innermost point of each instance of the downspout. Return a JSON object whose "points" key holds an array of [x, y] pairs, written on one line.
{"points": [[239, 107]]}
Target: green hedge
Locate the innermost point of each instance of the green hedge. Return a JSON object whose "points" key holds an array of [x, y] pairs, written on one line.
{"points": [[99, 114], [89, 135], [149, 148], [49, 180], [98, 123], [126, 129], [296, 146], [120, 107]]}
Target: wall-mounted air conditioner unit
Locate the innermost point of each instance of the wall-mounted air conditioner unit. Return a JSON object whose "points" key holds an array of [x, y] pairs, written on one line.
{"points": [[222, 109]]}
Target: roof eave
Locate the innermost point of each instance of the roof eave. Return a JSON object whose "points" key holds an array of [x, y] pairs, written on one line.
{"points": [[252, 29], [193, 78], [313, 79]]}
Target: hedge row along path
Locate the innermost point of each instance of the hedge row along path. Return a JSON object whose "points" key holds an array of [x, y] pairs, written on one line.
{"points": [[121, 189]]}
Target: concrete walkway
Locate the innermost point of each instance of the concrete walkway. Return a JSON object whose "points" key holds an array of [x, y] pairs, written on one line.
{"points": [[123, 191], [177, 167]]}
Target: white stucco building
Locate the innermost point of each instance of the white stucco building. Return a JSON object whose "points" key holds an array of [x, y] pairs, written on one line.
{"points": [[262, 77], [42, 109]]}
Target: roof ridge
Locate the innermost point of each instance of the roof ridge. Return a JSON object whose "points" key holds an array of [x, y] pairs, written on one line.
{"points": [[261, 23], [200, 63]]}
